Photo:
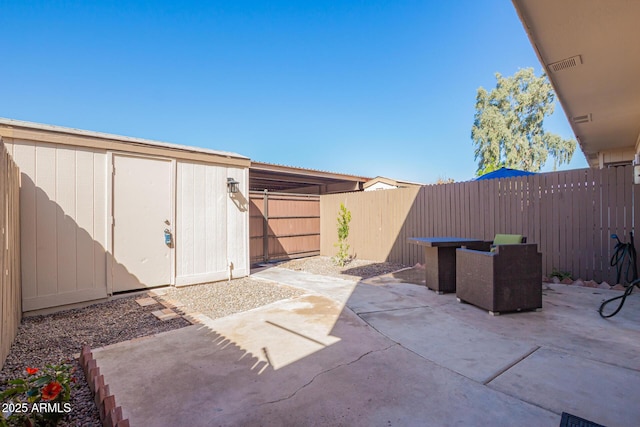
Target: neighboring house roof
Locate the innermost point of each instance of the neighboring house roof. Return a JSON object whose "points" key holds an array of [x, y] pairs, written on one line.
{"points": [[273, 177], [390, 181], [590, 51], [504, 173], [19, 129]]}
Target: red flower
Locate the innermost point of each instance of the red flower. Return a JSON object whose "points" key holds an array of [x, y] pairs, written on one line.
{"points": [[32, 371], [51, 390]]}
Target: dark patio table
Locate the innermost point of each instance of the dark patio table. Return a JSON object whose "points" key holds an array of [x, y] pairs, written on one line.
{"points": [[440, 260]]}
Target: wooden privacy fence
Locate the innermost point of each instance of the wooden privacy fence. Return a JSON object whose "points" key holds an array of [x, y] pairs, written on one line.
{"points": [[570, 215], [283, 226], [10, 290]]}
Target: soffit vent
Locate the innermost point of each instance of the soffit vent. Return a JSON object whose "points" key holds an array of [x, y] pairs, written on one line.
{"points": [[572, 62], [586, 118]]}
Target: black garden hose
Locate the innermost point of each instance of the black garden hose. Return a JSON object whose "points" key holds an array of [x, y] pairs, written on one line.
{"points": [[622, 299], [622, 252]]}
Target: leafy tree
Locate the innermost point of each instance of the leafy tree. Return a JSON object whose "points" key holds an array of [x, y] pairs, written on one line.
{"points": [[507, 128]]}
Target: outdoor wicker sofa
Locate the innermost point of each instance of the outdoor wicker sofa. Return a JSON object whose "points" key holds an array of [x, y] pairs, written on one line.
{"points": [[506, 278]]}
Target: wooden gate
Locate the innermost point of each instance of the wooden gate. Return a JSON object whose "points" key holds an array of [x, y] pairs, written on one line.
{"points": [[283, 226]]}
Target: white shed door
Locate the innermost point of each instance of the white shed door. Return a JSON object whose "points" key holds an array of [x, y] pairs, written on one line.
{"points": [[141, 211]]}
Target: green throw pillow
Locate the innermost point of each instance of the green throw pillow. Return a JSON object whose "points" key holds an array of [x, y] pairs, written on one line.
{"points": [[507, 239]]}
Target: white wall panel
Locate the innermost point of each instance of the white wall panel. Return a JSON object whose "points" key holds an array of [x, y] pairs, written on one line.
{"points": [[46, 221], [217, 218], [238, 223], [63, 223], [66, 227], [24, 156], [101, 223], [202, 223], [85, 260]]}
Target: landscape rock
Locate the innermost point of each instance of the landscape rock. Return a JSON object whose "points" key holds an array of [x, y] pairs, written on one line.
{"points": [[618, 287], [578, 283], [604, 285], [591, 284], [545, 279], [566, 281], [555, 279]]}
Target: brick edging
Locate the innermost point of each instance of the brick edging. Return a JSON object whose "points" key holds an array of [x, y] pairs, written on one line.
{"points": [[110, 414]]}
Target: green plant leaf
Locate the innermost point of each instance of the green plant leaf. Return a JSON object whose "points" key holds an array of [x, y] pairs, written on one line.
{"points": [[43, 380]]}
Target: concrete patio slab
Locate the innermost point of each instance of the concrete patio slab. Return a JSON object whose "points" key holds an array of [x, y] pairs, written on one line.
{"points": [[562, 382], [451, 343], [195, 376], [392, 387], [382, 297], [336, 288], [283, 332], [410, 357]]}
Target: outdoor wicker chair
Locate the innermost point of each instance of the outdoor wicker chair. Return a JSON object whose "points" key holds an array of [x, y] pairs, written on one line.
{"points": [[507, 278]]}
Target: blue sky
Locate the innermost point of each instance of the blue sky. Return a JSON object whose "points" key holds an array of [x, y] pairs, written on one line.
{"points": [[361, 87]]}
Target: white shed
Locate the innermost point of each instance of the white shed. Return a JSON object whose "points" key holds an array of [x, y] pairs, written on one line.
{"points": [[102, 213]]}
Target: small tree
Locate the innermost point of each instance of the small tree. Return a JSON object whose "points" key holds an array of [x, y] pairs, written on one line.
{"points": [[344, 218]]}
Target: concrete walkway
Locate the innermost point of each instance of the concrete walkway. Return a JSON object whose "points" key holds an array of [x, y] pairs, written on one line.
{"points": [[384, 352]]}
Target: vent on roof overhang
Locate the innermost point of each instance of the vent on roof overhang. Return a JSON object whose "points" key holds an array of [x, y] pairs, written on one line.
{"points": [[572, 62], [586, 118]]}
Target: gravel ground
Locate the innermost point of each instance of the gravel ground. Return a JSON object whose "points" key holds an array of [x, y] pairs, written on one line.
{"points": [[56, 338], [357, 269], [223, 299]]}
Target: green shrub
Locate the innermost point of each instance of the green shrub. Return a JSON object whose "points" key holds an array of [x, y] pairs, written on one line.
{"points": [[342, 257]]}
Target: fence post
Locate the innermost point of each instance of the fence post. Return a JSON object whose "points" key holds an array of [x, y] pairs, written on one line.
{"points": [[265, 227]]}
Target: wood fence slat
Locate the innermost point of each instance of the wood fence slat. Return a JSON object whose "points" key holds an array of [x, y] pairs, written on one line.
{"points": [[505, 195], [474, 212], [471, 209], [526, 214], [485, 223], [532, 202], [599, 222], [618, 207], [439, 206], [564, 195], [458, 209], [10, 286], [495, 208], [512, 195], [450, 209], [590, 194], [545, 218], [635, 218], [575, 224], [627, 203]]}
